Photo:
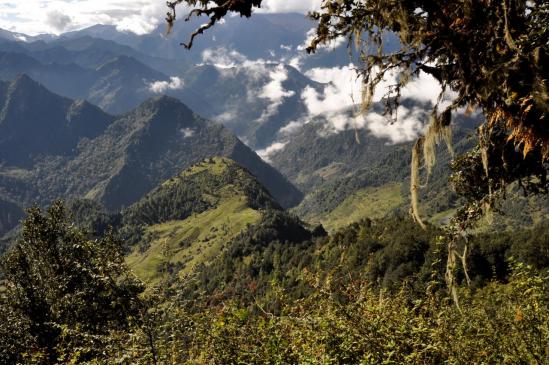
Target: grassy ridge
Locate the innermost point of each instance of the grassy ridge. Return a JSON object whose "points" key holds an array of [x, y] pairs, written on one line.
{"points": [[182, 245], [188, 219]]}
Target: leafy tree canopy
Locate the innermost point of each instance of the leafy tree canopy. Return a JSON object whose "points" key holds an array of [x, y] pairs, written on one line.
{"points": [[64, 298]]}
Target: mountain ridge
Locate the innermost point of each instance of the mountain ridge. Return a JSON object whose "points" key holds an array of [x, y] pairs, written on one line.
{"points": [[121, 160]]}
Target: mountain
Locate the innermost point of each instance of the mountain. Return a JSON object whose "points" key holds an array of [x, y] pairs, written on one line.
{"points": [[129, 160], [118, 85], [88, 52], [60, 148], [255, 101], [351, 174], [35, 122], [122, 84], [348, 175], [283, 40], [69, 80], [105, 32], [188, 219], [250, 89], [6, 35]]}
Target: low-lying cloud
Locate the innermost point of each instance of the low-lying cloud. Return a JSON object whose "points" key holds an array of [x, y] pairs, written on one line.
{"points": [[223, 58], [336, 104], [269, 151], [274, 92], [159, 87], [343, 90], [264, 81]]}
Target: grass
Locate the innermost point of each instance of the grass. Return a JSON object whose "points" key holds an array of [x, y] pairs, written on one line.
{"points": [[326, 173], [193, 241], [215, 166], [372, 202]]}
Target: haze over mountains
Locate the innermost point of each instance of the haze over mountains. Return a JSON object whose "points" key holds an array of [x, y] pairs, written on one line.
{"points": [[119, 70], [108, 115]]}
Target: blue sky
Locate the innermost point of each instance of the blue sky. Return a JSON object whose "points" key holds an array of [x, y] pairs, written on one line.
{"points": [[140, 16]]}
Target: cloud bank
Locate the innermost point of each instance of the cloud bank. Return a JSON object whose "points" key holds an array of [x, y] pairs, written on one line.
{"points": [[343, 90], [336, 104], [57, 20], [274, 92]]}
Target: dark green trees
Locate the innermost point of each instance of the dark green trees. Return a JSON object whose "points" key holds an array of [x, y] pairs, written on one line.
{"points": [[64, 298]]}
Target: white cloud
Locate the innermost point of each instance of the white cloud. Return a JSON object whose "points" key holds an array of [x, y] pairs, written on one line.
{"points": [[187, 132], [311, 34], [343, 90], [292, 127], [289, 6], [266, 80], [223, 58], [158, 87], [226, 117], [274, 92], [269, 151], [407, 128], [139, 16]]}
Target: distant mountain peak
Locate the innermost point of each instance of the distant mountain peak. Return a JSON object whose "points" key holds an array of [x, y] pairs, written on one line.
{"points": [[163, 103], [126, 62], [26, 92], [24, 81], [35, 122]]}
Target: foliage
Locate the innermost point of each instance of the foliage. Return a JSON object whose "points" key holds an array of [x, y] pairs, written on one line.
{"points": [[66, 299], [384, 252], [483, 174], [371, 293], [119, 163], [352, 324]]}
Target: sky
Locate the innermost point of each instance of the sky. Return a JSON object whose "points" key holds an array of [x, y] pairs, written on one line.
{"points": [[33, 17]]}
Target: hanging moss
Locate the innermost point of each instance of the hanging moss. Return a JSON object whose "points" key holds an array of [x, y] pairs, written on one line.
{"points": [[415, 181]]}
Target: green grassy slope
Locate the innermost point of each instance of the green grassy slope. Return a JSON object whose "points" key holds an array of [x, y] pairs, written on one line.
{"points": [[187, 220], [371, 202], [182, 245]]}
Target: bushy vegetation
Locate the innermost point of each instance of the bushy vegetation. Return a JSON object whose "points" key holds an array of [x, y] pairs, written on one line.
{"points": [[64, 298], [353, 324], [233, 279], [277, 293]]}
